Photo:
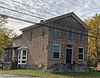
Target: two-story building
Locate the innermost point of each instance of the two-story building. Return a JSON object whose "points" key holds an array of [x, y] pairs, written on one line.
{"points": [[63, 39]]}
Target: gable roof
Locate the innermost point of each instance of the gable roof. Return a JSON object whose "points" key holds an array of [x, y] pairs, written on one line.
{"points": [[18, 36], [59, 17], [29, 27], [70, 14]]}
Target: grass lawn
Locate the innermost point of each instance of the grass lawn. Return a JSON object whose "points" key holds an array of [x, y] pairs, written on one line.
{"points": [[50, 75]]}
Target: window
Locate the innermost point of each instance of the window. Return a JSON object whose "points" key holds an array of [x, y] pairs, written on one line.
{"points": [[57, 31], [30, 36], [70, 34], [43, 32], [56, 51], [19, 55], [22, 56], [81, 36], [81, 53]]}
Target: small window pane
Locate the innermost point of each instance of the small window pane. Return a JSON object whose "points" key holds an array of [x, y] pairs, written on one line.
{"points": [[24, 55], [19, 61], [81, 36], [57, 33], [80, 50], [56, 48], [23, 61], [70, 34], [80, 56], [55, 55]]}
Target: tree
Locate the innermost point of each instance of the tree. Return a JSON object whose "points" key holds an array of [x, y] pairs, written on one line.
{"points": [[5, 34], [94, 42]]}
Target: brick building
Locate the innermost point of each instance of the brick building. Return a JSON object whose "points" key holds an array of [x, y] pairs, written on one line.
{"points": [[59, 40], [62, 39]]}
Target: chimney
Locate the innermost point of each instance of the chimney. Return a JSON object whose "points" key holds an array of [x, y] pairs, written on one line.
{"points": [[41, 21]]}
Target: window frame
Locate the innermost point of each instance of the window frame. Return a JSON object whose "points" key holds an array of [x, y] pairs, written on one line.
{"points": [[81, 53], [56, 31], [20, 60], [81, 35], [31, 36], [56, 51], [70, 30], [43, 32]]}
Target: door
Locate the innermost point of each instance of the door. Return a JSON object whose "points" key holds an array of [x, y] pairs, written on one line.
{"points": [[68, 55]]}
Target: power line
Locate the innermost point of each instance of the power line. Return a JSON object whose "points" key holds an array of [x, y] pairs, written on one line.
{"points": [[42, 24], [33, 7], [76, 4], [94, 3], [4, 3], [48, 12], [90, 11], [46, 25], [23, 8], [21, 12], [31, 12], [80, 5]]}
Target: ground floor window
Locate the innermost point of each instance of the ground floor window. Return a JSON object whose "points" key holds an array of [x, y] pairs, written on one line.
{"points": [[80, 53], [22, 56], [56, 51]]}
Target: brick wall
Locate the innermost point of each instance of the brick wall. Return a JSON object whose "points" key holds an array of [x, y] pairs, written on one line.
{"points": [[37, 49], [63, 40], [40, 49]]}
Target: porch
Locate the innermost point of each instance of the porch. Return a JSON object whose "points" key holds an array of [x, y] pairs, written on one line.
{"points": [[10, 54], [10, 58]]}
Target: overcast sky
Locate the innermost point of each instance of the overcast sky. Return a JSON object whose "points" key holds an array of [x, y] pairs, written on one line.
{"points": [[45, 9]]}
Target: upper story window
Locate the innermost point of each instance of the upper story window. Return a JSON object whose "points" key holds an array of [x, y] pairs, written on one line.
{"points": [[80, 53], [43, 32], [81, 36], [56, 51], [70, 34], [57, 32], [30, 36]]}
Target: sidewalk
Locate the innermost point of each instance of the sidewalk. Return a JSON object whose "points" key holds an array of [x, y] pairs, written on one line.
{"points": [[2, 75]]}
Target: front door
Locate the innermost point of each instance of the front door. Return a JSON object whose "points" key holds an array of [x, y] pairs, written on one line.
{"points": [[68, 55]]}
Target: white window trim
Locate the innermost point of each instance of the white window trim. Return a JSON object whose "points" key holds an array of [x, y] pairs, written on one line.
{"points": [[83, 53], [59, 52], [21, 57]]}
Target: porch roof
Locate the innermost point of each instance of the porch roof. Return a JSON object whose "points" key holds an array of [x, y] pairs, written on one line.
{"points": [[11, 48], [22, 48]]}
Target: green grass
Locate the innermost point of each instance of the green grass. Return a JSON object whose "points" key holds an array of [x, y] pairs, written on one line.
{"points": [[50, 75]]}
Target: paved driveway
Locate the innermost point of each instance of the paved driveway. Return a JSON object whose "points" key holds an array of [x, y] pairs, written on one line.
{"points": [[2, 75]]}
